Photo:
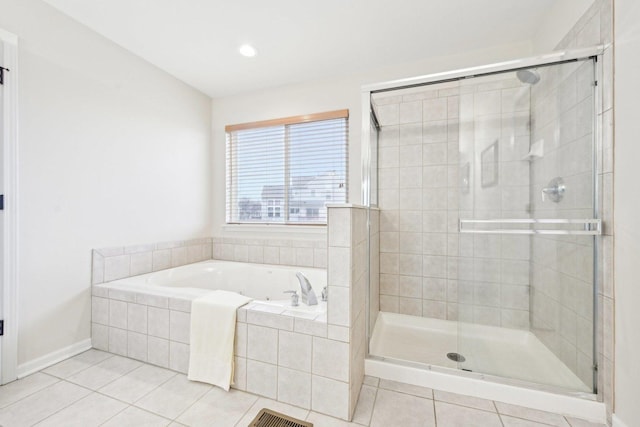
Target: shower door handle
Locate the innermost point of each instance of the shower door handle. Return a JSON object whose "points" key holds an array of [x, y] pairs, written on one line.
{"points": [[584, 227]]}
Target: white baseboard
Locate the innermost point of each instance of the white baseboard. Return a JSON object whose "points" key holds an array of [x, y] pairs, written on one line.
{"points": [[616, 422], [53, 358]]}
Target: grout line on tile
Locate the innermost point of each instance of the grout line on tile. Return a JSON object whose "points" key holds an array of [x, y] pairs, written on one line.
{"points": [[435, 415], [65, 407], [467, 406], [498, 412], [375, 397], [140, 409], [116, 414], [237, 424], [198, 399], [81, 370], [115, 379], [36, 391], [410, 394], [493, 402], [530, 420], [137, 400], [175, 374]]}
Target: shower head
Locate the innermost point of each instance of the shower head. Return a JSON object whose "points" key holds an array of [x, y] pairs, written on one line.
{"points": [[529, 76]]}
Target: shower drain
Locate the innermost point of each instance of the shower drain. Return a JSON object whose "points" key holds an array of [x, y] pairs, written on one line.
{"points": [[456, 357]]}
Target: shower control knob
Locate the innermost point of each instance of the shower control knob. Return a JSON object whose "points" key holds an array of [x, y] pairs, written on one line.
{"points": [[554, 190]]}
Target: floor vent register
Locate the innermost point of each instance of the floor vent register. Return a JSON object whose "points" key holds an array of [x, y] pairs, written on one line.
{"points": [[269, 418]]}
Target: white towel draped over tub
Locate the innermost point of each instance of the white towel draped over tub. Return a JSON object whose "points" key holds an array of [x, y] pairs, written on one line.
{"points": [[213, 327]]}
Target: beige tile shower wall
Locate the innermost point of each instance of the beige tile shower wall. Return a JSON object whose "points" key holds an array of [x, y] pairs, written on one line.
{"points": [[493, 270], [348, 275], [594, 28], [301, 253], [562, 267], [115, 263], [426, 267]]}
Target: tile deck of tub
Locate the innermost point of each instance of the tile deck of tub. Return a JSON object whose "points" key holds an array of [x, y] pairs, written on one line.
{"points": [[97, 388]]}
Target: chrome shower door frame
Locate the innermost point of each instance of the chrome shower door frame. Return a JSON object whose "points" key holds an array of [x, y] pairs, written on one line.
{"points": [[592, 225]]}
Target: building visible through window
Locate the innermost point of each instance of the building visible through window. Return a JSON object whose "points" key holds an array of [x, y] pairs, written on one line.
{"points": [[286, 171]]}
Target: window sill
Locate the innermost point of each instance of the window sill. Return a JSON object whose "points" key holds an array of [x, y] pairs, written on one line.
{"points": [[315, 230]]}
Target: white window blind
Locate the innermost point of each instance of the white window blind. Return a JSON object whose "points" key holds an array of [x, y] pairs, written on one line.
{"points": [[285, 171]]}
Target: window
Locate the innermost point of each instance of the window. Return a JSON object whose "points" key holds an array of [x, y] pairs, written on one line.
{"points": [[285, 171]]}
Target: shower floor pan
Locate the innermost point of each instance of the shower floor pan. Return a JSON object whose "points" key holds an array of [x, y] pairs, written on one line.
{"points": [[510, 353]]}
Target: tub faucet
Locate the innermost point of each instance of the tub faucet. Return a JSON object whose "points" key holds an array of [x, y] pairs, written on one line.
{"points": [[308, 296]]}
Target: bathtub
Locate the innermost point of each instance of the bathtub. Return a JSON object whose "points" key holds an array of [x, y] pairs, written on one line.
{"points": [[266, 284], [147, 317]]}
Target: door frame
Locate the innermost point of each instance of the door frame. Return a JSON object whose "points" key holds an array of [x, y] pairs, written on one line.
{"points": [[9, 342]]}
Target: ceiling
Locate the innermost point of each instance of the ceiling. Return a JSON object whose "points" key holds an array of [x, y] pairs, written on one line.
{"points": [[299, 40]]}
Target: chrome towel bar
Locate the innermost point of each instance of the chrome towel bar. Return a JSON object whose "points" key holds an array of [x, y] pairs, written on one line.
{"points": [[590, 227]]}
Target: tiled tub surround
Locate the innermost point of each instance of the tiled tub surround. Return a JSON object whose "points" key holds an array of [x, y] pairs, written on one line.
{"points": [[280, 353], [118, 262], [297, 252], [311, 360], [426, 267], [259, 281]]}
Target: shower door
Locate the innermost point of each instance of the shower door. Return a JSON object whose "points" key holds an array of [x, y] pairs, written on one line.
{"points": [[525, 224]]}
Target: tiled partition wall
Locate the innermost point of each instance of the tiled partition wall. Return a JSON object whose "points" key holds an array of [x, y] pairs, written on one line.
{"points": [[347, 276], [426, 267]]}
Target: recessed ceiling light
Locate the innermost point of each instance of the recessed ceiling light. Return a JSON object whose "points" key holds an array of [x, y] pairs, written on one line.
{"points": [[247, 50]]}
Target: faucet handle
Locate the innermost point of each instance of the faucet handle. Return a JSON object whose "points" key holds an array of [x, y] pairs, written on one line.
{"points": [[294, 297], [324, 294]]}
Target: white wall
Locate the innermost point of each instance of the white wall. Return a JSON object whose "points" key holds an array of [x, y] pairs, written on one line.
{"points": [[113, 151], [317, 97], [558, 20], [626, 211]]}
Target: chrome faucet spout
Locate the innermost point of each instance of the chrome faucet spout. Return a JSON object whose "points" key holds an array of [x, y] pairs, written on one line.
{"points": [[308, 295]]}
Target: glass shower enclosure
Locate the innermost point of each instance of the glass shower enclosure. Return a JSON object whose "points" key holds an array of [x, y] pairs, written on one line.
{"points": [[485, 190]]}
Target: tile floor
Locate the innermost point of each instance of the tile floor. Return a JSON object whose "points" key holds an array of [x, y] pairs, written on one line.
{"points": [[99, 389]]}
